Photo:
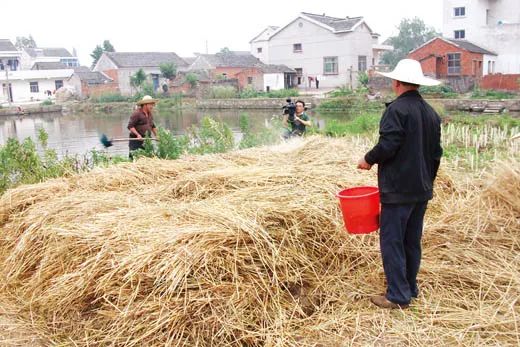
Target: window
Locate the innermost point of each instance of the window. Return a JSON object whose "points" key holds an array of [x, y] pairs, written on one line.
{"points": [[453, 63], [459, 11], [297, 47], [34, 87], [259, 50], [58, 84], [487, 17], [362, 63], [330, 65], [250, 80], [459, 34]]}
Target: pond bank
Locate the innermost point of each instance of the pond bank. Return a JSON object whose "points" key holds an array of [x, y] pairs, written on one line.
{"points": [[29, 109]]}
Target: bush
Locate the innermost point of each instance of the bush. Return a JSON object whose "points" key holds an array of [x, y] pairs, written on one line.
{"points": [[211, 137], [491, 94], [341, 91], [110, 97], [338, 103], [47, 102], [359, 125], [222, 92], [249, 93], [444, 91]]}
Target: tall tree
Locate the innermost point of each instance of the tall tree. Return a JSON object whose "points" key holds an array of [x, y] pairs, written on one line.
{"points": [[25, 42], [412, 33], [98, 51], [107, 46]]}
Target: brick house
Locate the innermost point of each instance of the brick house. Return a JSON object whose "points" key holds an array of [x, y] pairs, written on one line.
{"points": [[120, 66], [444, 58], [242, 66], [91, 83]]}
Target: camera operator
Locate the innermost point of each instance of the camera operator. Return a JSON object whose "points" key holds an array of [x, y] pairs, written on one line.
{"points": [[296, 124]]}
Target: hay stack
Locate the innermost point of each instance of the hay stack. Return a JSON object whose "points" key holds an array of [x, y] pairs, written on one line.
{"points": [[248, 249]]}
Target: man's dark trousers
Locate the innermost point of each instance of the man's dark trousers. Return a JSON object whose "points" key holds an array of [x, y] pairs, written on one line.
{"points": [[400, 241]]}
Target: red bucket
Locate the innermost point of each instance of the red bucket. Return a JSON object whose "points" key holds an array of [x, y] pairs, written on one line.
{"points": [[360, 209]]}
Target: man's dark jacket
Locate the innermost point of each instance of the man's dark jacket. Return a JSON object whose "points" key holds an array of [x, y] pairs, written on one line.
{"points": [[409, 150]]}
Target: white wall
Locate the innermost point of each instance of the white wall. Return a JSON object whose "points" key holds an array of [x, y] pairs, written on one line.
{"points": [[275, 81], [262, 41], [317, 43], [124, 75], [20, 83]]}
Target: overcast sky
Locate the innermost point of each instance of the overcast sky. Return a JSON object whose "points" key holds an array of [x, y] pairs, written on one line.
{"points": [[183, 26]]}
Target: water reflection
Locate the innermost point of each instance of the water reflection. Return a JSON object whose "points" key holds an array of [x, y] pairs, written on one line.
{"points": [[79, 133]]}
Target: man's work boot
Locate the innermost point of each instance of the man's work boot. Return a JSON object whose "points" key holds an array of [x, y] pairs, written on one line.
{"points": [[383, 302]]}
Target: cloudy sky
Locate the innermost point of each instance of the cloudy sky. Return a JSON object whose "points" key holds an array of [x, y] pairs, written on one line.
{"points": [[186, 27]]}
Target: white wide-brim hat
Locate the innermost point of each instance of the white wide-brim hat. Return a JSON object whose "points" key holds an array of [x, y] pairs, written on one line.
{"points": [[410, 71], [147, 99]]}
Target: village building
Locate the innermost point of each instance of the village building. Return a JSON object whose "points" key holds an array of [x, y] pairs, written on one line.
{"points": [[444, 58], [32, 85], [242, 66], [31, 56], [89, 83], [121, 66], [332, 50]]}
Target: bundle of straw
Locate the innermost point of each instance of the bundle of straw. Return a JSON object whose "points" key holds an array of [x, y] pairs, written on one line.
{"points": [[248, 249]]}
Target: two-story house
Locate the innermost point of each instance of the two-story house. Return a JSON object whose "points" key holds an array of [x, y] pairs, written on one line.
{"points": [[121, 66], [330, 49], [32, 56], [491, 24]]}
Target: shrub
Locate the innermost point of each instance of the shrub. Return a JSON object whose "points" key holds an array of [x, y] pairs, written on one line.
{"points": [[491, 94], [211, 137], [341, 91], [338, 103], [109, 97], [47, 102], [222, 92]]}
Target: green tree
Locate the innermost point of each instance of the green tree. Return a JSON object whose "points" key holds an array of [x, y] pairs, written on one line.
{"points": [[225, 50], [99, 50], [25, 42], [412, 33], [137, 79], [107, 46], [168, 70], [192, 79]]}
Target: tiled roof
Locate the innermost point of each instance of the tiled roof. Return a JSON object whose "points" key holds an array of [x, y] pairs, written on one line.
{"points": [[48, 52], [49, 66], [470, 46], [145, 59], [92, 77], [6, 46], [337, 24], [232, 59], [271, 68]]}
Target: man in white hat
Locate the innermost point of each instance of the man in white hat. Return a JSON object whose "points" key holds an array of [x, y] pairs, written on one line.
{"points": [[408, 155], [141, 123]]}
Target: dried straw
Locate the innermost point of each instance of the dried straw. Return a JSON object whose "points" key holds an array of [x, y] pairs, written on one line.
{"points": [[248, 249]]}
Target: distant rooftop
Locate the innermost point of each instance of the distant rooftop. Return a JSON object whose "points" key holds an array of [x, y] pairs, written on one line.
{"points": [[338, 24], [7, 46], [48, 52], [145, 59], [470, 46], [49, 66], [232, 59]]}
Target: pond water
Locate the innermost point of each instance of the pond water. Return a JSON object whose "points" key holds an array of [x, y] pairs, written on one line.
{"points": [[80, 132]]}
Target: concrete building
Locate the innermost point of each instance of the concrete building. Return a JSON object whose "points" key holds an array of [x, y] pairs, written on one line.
{"points": [[31, 56], [120, 66], [91, 83], [10, 57], [32, 85], [491, 24], [330, 49]]}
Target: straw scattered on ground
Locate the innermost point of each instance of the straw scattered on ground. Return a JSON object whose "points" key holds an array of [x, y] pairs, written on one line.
{"points": [[248, 249]]}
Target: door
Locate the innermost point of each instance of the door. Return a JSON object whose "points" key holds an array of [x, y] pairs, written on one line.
{"points": [[8, 91]]}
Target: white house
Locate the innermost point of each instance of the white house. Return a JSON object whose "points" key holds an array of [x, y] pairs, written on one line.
{"points": [[31, 56], [260, 44], [330, 49], [120, 66], [32, 85], [10, 57], [492, 24], [277, 77]]}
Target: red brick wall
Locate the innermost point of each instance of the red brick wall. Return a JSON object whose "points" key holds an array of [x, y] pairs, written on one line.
{"points": [[99, 89], [239, 73], [501, 82], [439, 68]]}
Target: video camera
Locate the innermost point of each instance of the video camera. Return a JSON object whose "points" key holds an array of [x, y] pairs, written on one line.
{"points": [[289, 109]]}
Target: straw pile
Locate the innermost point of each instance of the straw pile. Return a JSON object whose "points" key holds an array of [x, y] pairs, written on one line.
{"points": [[248, 249]]}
